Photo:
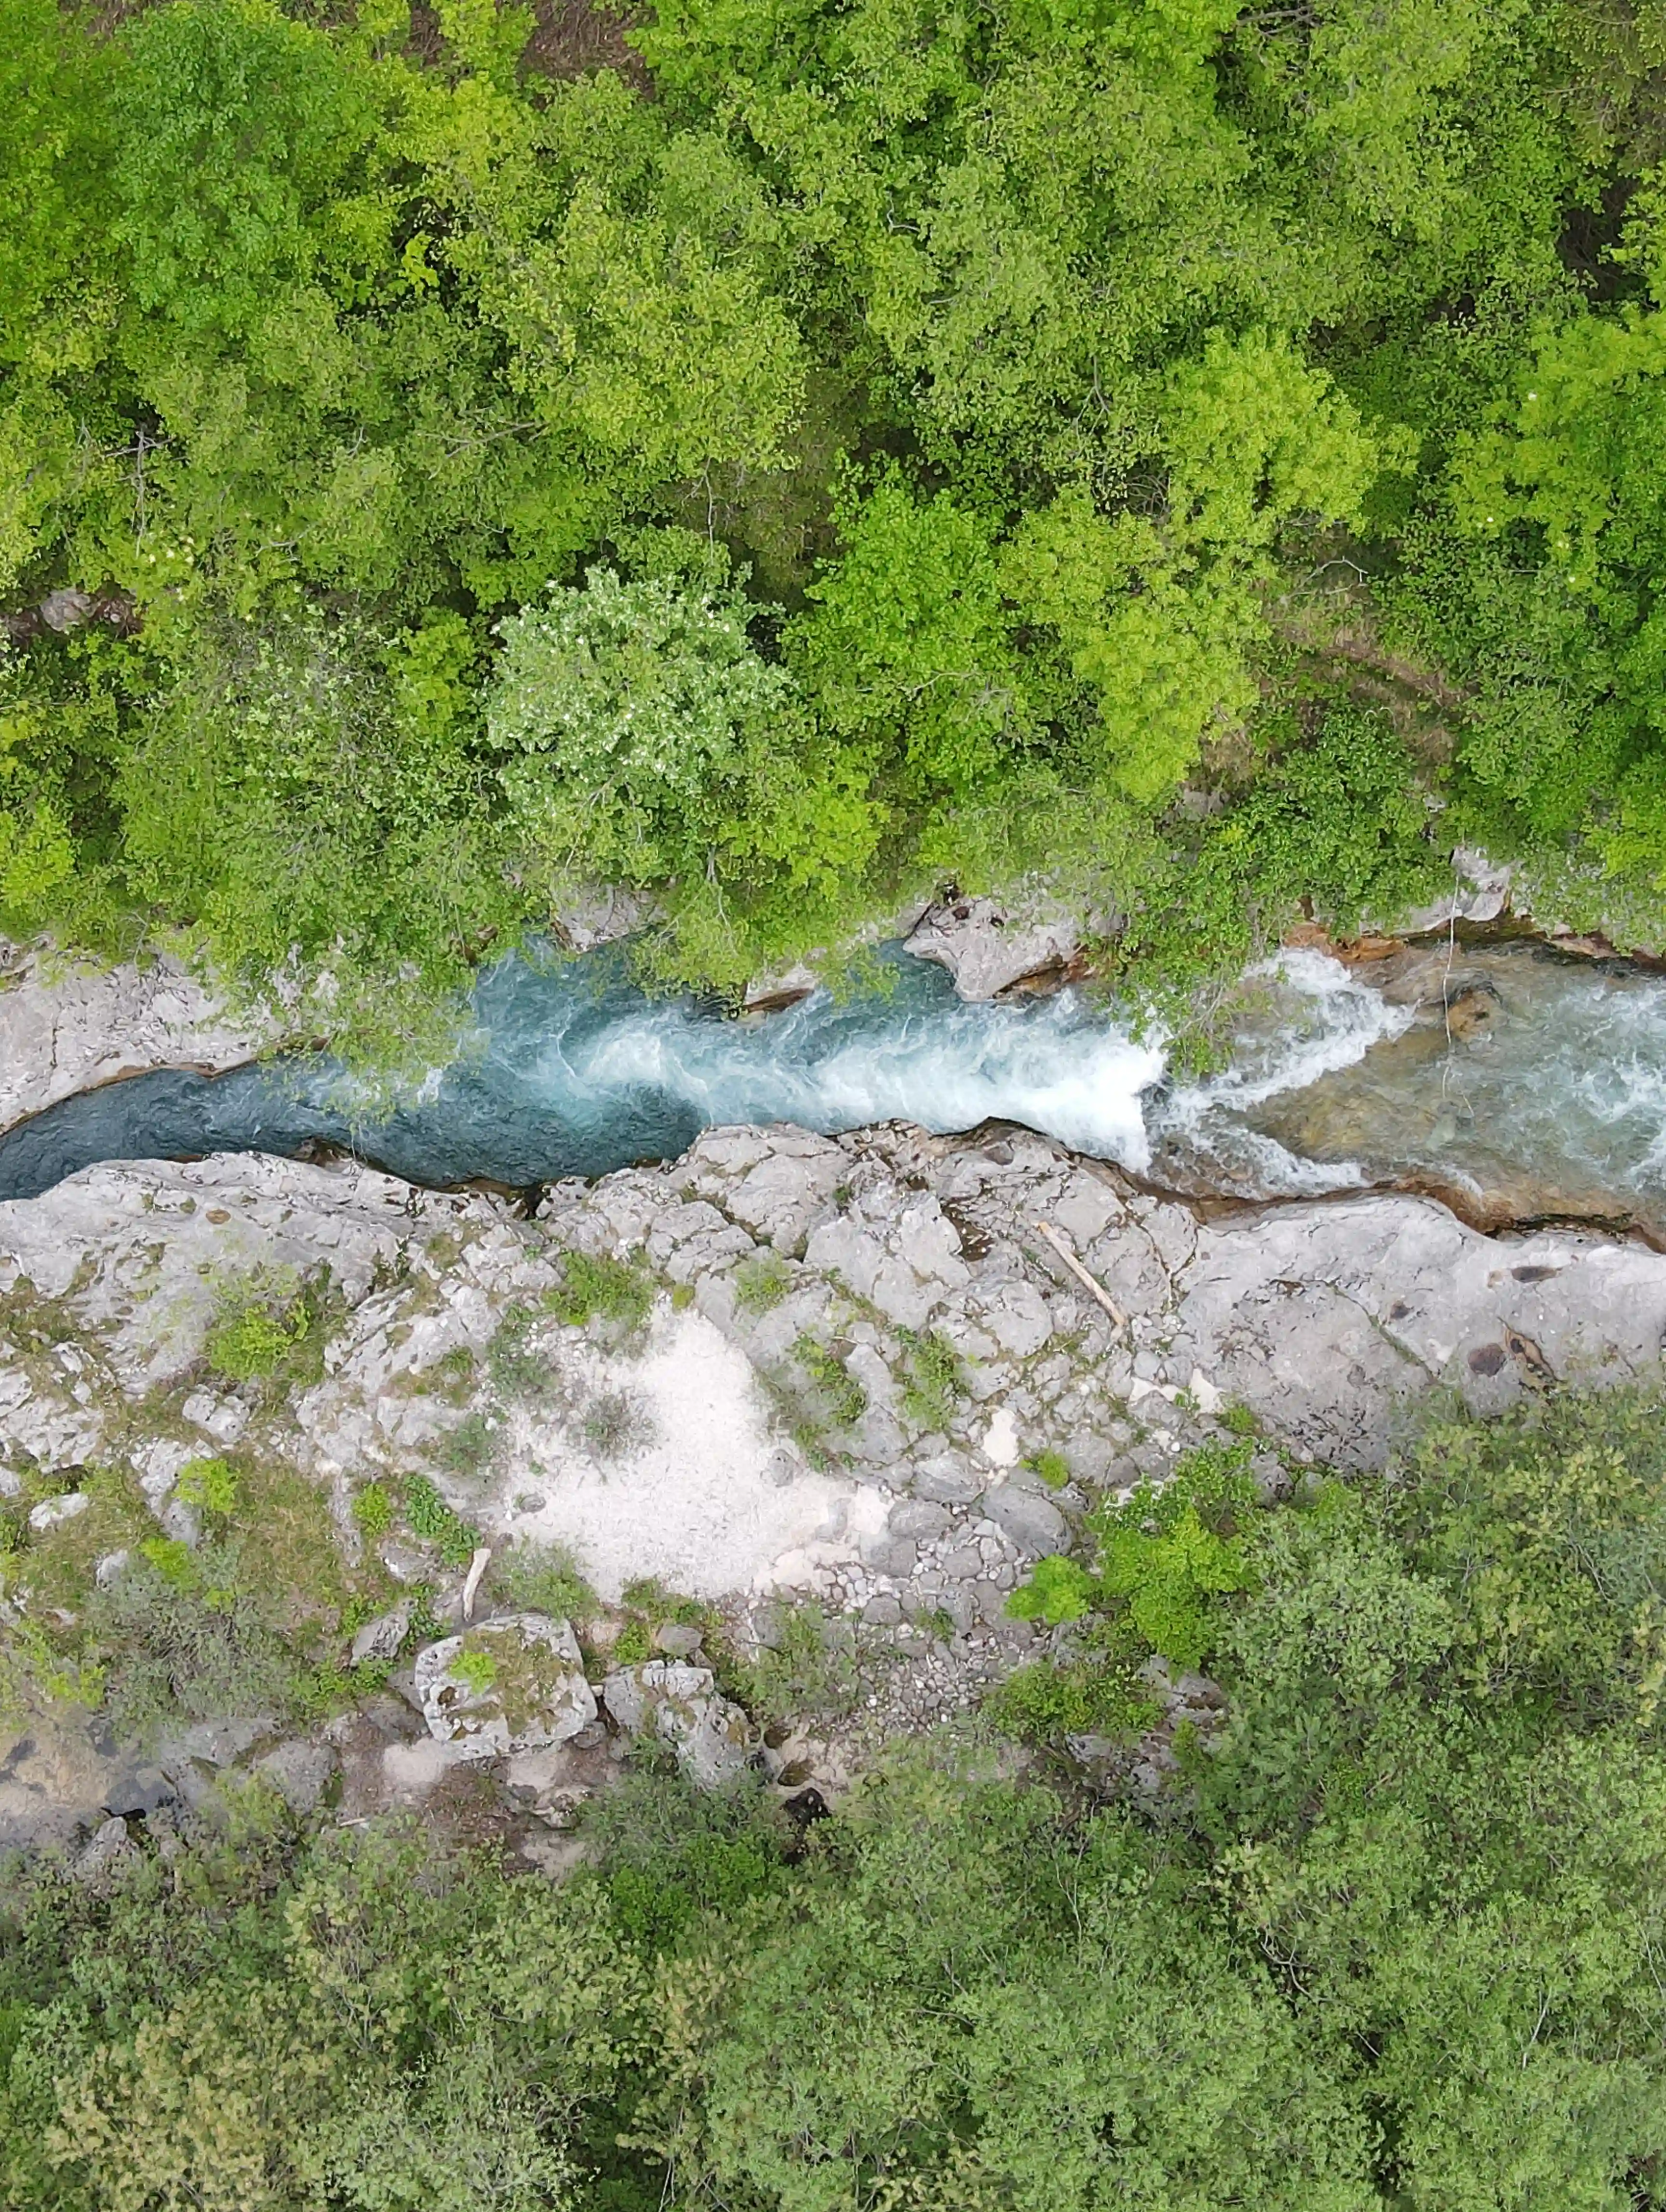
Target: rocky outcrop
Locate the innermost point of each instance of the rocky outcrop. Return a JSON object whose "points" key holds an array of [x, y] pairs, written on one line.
{"points": [[667, 1701], [888, 1371], [1480, 892], [853, 1356], [503, 1686], [66, 1027], [989, 945]]}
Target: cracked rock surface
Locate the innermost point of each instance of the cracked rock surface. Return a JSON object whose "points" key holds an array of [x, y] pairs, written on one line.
{"points": [[850, 1347], [854, 1368], [67, 1026]]}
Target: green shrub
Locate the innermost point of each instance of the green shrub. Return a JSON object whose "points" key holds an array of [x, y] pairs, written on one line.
{"points": [[840, 1393], [210, 1484], [761, 1282], [1051, 1466], [670, 1853], [253, 1342], [373, 1511], [260, 1320], [515, 1368], [473, 1446], [476, 1670], [1161, 1560], [181, 1639], [543, 1578], [934, 1380], [598, 1288], [809, 1670], [613, 1422], [633, 1644], [1057, 1590], [1046, 1699], [431, 1521]]}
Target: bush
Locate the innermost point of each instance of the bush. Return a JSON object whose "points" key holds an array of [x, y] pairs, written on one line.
{"points": [[431, 1521], [808, 1671], [934, 1380], [259, 1325], [1160, 1559], [1051, 1466], [210, 1484], [840, 1395], [543, 1578], [373, 1511], [597, 1288], [761, 1282], [1045, 1700], [179, 1638]]}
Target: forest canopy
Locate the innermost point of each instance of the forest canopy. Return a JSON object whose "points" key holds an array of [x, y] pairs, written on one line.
{"points": [[1388, 1942], [994, 439]]}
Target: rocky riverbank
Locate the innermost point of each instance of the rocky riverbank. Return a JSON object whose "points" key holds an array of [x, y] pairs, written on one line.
{"points": [[886, 1371]]}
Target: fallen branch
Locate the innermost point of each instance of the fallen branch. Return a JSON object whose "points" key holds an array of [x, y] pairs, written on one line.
{"points": [[1091, 1283], [478, 1566]]}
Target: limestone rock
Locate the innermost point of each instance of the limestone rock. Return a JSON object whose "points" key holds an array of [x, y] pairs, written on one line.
{"points": [[52, 1512], [1480, 891], [681, 1705], [109, 1843], [383, 1637], [300, 1772], [1035, 1524], [988, 946], [507, 1684], [602, 913], [64, 1027]]}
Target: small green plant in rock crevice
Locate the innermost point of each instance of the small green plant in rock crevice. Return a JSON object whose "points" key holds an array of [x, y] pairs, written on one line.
{"points": [[934, 1379], [210, 1485], [1045, 1700], [518, 1370], [633, 1644], [761, 1282], [261, 1321], [842, 1397], [431, 1521], [597, 1288], [373, 1511], [1052, 1467]]}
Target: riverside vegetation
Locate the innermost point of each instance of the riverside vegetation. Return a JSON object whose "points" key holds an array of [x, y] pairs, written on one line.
{"points": [[1390, 1936], [781, 457]]}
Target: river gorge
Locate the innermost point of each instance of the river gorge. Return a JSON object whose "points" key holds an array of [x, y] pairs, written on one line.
{"points": [[1515, 1081]]}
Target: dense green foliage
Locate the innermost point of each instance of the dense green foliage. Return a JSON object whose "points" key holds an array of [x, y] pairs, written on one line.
{"points": [[1391, 1938], [821, 452]]}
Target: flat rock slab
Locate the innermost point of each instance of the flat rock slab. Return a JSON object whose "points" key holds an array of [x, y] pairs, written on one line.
{"points": [[1325, 1319], [66, 1027], [988, 946]]}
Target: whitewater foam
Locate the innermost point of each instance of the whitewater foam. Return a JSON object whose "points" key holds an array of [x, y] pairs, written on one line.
{"points": [[1306, 1016]]}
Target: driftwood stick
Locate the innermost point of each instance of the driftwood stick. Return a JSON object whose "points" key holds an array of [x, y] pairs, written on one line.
{"points": [[478, 1566], [1095, 1289]]}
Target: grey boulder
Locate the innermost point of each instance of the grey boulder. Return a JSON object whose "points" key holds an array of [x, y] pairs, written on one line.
{"points": [[510, 1685], [681, 1706]]}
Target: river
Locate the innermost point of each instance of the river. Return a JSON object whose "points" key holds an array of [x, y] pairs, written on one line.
{"points": [[1518, 1083]]}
